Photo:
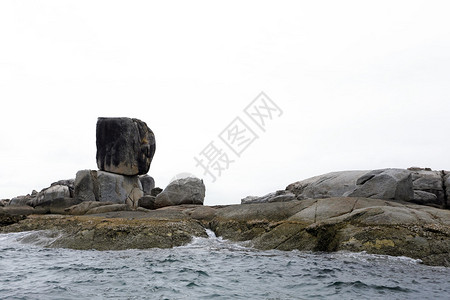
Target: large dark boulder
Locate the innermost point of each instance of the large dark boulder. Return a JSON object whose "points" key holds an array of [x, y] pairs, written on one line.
{"points": [[124, 146]]}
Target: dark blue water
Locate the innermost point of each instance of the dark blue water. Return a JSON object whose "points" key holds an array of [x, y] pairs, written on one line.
{"points": [[208, 269]]}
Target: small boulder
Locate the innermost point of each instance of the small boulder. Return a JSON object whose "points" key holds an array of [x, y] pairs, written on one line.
{"points": [[188, 190], [148, 183], [124, 146], [147, 202], [155, 191]]}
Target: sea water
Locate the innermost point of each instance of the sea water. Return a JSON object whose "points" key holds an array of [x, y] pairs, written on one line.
{"points": [[208, 268]]}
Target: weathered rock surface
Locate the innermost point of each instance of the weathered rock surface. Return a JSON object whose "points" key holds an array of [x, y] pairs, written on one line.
{"points": [[147, 202], [107, 187], [84, 207], [124, 146], [148, 183], [428, 187], [389, 184], [21, 200], [421, 186], [47, 195], [332, 224], [278, 196], [189, 190]]}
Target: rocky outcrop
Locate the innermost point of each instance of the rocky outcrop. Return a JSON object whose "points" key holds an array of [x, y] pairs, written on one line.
{"points": [[428, 187], [389, 184], [148, 183], [332, 224], [189, 190], [278, 196], [107, 187], [421, 186], [124, 146]]}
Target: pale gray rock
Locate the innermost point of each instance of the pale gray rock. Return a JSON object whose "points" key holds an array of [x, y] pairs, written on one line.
{"points": [[389, 184], [422, 197], [426, 184], [278, 196], [187, 190], [21, 200], [334, 184], [108, 187], [148, 183], [119, 189], [52, 193]]}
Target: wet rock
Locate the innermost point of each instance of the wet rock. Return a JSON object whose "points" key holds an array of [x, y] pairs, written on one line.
{"points": [[124, 146], [189, 190], [148, 183], [6, 219]]}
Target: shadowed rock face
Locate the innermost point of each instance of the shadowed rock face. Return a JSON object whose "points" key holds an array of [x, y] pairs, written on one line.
{"points": [[124, 146]]}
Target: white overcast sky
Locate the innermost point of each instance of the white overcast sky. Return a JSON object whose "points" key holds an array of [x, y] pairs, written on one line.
{"points": [[362, 85]]}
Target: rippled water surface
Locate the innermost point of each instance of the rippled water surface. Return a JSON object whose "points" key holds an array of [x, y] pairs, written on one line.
{"points": [[208, 269]]}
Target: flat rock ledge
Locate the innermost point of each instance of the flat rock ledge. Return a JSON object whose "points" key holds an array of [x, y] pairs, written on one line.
{"points": [[332, 224]]}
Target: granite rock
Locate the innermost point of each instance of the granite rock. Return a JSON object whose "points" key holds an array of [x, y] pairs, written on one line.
{"points": [[189, 190], [124, 146]]}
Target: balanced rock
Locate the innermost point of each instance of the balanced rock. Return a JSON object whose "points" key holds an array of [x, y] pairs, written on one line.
{"points": [[124, 146], [107, 187], [189, 190]]}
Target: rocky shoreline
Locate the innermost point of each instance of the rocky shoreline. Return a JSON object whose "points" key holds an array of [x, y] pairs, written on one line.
{"points": [[333, 224], [401, 212]]}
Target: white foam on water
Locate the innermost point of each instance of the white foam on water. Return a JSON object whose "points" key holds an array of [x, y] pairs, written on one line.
{"points": [[364, 256], [40, 238]]}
